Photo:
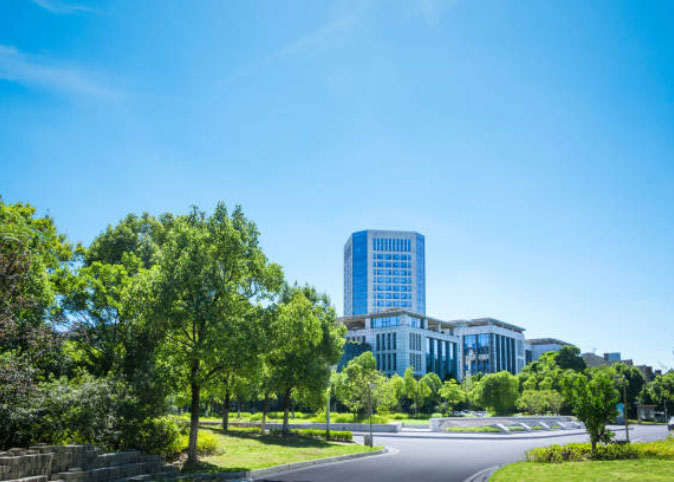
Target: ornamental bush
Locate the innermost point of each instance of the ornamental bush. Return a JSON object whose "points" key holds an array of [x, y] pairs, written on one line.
{"points": [[583, 452], [336, 436]]}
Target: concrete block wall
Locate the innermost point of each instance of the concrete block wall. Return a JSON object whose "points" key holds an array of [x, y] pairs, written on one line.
{"points": [[76, 463]]}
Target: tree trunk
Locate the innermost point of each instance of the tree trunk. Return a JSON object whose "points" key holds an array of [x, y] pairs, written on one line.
{"points": [[238, 408], [225, 411], [264, 414], [286, 409], [194, 417]]}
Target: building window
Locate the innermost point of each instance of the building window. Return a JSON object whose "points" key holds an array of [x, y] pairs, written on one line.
{"points": [[394, 341]]}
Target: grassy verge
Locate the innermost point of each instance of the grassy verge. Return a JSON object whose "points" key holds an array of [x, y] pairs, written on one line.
{"points": [[623, 470], [245, 451], [483, 429]]}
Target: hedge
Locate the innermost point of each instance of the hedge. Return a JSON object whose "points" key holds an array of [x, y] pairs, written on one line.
{"points": [[581, 452], [336, 436]]}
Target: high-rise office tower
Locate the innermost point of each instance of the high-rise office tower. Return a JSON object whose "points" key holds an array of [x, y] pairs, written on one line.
{"points": [[384, 269]]}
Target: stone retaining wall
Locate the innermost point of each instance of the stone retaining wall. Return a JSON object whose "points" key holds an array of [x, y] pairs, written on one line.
{"points": [[77, 463]]}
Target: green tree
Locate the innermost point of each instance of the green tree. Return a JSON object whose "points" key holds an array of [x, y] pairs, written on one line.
{"points": [[568, 358], [362, 384], [208, 273], [33, 264], [635, 384], [532, 402], [307, 344], [660, 392], [415, 391], [452, 394], [498, 392], [398, 385], [433, 382], [594, 403]]}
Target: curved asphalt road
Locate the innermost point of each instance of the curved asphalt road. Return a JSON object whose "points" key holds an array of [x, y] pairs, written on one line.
{"points": [[430, 460]]}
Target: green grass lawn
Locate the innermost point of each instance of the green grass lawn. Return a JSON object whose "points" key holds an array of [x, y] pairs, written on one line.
{"points": [[238, 452], [640, 470], [482, 429], [413, 421]]}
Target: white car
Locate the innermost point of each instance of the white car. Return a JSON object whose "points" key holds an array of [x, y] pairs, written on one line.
{"points": [[670, 424]]}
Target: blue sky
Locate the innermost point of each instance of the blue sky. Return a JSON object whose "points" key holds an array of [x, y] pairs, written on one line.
{"points": [[531, 142]]}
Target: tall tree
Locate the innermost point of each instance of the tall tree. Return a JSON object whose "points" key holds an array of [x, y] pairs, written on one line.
{"points": [[594, 403], [635, 384], [363, 385], [209, 273], [452, 393], [308, 343], [498, 392], [569, 358]]}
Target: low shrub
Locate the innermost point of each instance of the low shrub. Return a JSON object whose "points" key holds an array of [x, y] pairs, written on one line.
{"points": [[256, 417], [159, 436], [436, 415], [582, 452], [480, 429], [400, 416], [207, 443], [336, 436], [663, 449]]}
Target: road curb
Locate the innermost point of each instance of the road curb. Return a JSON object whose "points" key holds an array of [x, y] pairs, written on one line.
{"points": [[559, 433], [257, 473], [483, 475]]}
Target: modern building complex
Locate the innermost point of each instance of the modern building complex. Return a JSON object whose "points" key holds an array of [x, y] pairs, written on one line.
{"points": [[384, 270], [535, 347], [400, 338], [490, 346], [385, 313], [451, 349]]}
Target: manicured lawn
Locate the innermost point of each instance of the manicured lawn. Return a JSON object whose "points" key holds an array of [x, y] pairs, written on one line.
{"points": [[246, 451], [413, 421], [640, 470], [482, 429]]}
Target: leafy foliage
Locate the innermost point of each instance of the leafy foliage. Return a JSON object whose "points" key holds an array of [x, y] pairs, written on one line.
{"points": [[594, 403], [497, 392], [361, 383]]}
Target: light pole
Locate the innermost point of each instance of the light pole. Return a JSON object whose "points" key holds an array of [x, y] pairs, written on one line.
{"points": [[369, 408], [327, 418], [624, 380]]}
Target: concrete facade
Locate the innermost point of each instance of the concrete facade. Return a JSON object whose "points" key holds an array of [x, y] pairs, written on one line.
{"points": [[400, 339], [538, 346], [451, 349]]}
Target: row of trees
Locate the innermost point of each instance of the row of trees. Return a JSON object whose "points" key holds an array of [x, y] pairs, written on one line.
{"points": [[174, 308]]}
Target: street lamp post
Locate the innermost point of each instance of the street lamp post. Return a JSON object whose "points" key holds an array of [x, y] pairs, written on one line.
{"points": [[369, 408], [327, 418], [627, 433]]}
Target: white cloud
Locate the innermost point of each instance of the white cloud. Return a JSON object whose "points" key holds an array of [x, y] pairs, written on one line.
{"points": [[311, 43], [61, 7], [39, 72]]}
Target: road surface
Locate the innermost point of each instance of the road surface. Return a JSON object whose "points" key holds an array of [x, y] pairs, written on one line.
{"points": [[430, 460]]}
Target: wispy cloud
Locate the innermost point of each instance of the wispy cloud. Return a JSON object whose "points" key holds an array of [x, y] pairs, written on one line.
{"points": [[61, 7], [309, 44], [40, 72]]}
